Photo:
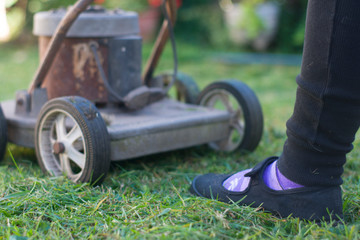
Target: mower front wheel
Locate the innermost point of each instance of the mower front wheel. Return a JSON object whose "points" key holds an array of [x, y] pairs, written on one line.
{"points": [[246, 122], [72, 139], [3, 134]]}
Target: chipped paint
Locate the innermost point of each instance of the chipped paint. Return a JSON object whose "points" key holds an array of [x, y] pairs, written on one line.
{"points": [[82, 57], [75, 72]]}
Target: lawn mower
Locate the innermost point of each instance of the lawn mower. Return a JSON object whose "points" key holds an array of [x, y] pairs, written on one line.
{"points": [[90, 104]]}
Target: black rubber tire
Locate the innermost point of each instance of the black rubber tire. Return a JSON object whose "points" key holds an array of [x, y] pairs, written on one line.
{"points": [[251, 108], [96, 140], [186, 89], [3, 134]]}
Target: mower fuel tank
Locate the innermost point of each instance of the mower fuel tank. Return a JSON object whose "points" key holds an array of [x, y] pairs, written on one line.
{"points": [[74, 70], [125, 63]]}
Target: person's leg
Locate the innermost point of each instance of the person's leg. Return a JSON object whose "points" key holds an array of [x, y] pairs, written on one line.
{"points": [[327, 109], [321, 130]]}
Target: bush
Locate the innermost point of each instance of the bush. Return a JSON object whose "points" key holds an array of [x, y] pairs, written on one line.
{"points": [[290, 36], [202, 22], [199, 22]]}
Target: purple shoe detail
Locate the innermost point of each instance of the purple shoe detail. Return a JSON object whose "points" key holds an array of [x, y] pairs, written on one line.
{"points": [[285, 182], [237, 182], [270, 177]]}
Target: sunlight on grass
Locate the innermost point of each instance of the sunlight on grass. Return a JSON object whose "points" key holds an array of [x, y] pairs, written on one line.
{"points": [[148, 197]]}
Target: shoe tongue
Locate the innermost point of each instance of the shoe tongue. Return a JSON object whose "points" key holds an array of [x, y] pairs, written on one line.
{"points": [[257, 169]]}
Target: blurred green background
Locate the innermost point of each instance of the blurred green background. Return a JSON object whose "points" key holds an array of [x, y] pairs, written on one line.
{"points": [[202, 22]]}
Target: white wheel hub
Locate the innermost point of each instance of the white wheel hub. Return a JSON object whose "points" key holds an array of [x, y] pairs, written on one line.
{"points": [[62, 144]]}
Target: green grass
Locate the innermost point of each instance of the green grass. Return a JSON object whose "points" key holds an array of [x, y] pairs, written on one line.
{"points": [[148, 197]]}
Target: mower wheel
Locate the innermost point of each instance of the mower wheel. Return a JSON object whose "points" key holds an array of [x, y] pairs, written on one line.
{"points": [[71, 138], [3, 134], [246, 125], [184, 90], [187, 90]]}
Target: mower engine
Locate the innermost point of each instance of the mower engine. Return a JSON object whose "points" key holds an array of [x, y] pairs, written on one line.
{"points": [[75, 71]]}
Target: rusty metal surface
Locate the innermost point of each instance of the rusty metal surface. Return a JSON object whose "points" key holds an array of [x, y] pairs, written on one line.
{"points": [[56, 41], [74, 71], [163, 126]]}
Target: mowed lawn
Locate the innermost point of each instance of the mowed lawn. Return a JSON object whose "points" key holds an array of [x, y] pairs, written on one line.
{"points": [[148, 197]]}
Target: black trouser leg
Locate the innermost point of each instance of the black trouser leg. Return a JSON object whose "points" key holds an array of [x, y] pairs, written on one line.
{"points": [[327, 110]]}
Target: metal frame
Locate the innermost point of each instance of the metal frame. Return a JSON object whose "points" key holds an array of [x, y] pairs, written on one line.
{"points": [[161, 126]]}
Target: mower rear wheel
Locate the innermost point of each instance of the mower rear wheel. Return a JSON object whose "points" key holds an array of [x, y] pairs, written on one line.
{"points": [[187, 90], [72, 139], [3, 134], [184, 89], [246, 124]]}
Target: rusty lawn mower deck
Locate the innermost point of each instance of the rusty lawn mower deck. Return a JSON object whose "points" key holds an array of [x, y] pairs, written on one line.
{"points": [[89, 104]]}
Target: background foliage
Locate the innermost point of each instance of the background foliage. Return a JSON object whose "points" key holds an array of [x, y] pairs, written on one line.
{"points": [[199, 21]]}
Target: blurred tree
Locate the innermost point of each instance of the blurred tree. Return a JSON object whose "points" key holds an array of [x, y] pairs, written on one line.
{"points": [[4, 26], [20, 13], [199, 21], [251, 22], [290, 36]]}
